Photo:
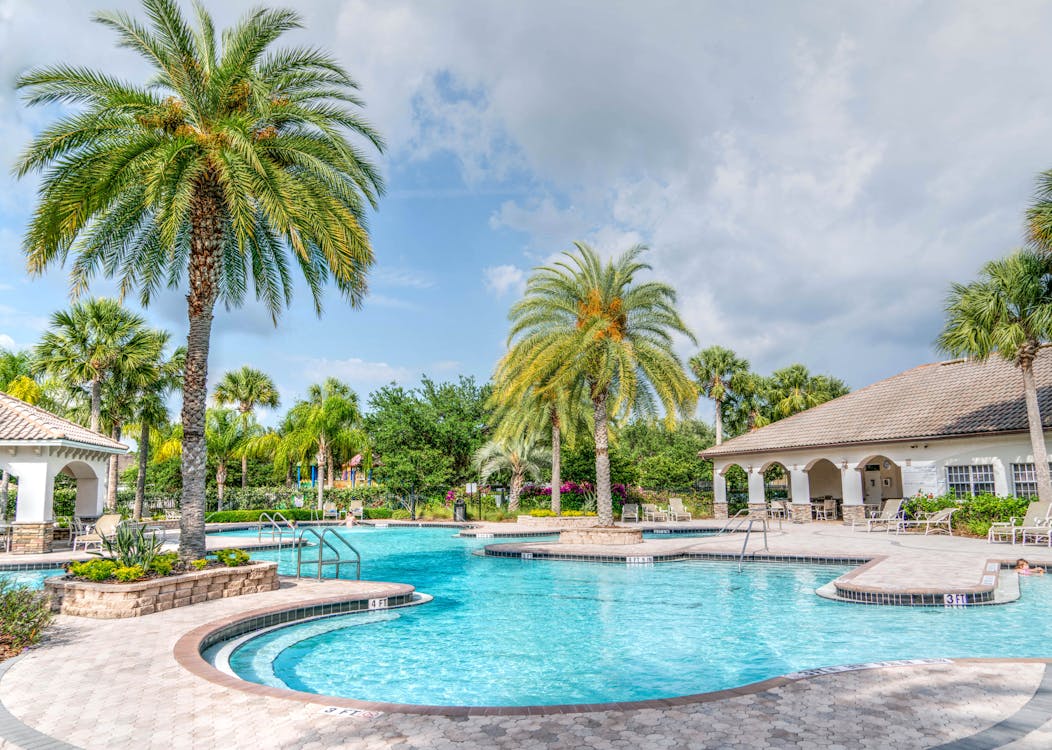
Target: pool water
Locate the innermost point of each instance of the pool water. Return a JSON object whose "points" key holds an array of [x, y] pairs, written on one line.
{"points": [[521, 632], [34, 579]]}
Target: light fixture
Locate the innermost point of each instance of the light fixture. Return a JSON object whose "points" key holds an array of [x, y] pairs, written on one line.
{"points": [[887, 464]]}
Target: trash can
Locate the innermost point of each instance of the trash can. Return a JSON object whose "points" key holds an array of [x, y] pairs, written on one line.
{"points": [[460, 510]]}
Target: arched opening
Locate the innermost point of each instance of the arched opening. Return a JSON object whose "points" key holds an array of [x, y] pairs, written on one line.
{"points": [[826, 489], [881, 481], [75, 495], [776, 485], [737, 483]]}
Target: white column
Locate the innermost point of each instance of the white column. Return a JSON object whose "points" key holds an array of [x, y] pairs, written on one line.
{"points": [[851, 485], [757, 495], [35, 491], [799, 485], [719, 487]]}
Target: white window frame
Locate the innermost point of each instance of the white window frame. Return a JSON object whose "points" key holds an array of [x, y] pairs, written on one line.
{"points": [[1025, 475], [970, 480]]}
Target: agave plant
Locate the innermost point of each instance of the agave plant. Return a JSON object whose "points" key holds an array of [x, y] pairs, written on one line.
{"points": [[131, 546]]}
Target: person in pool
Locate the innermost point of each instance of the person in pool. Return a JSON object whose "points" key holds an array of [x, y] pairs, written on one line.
{"points": [[1022, 567]]}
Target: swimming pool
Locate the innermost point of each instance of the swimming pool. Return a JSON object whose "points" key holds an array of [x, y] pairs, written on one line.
{"points": [[34, 579], [518, 632]]}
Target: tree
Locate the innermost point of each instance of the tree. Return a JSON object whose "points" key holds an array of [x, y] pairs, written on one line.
{"points": [[227, 434], [583, 320], [325, 423], [793, 389], [247, 388], [715, 368], [521, 457], [1007, 311], [92, 341], [232, 164]]}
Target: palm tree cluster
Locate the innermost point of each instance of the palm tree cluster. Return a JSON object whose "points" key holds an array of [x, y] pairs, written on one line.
{"points": [[229, 165], [589, 342], [744, 400]]}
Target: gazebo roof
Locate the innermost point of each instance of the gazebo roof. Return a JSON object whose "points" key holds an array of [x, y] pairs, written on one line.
{"points": [[23, 423]]}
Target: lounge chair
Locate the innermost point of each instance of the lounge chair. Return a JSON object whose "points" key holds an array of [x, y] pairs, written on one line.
{"points": [[652, 513], [890, 516], [1037, 535], [356, 509], [105, 526], [676, 511], [1009, 531], [940, 520], [329, 510], [630, 512]]}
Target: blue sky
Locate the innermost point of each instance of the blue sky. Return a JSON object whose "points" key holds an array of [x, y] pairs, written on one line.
{"points": [[811, 176]]}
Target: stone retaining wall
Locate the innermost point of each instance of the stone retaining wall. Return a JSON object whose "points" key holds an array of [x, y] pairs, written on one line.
{"points": [[557, 522], [601, 535], [106, 601]]}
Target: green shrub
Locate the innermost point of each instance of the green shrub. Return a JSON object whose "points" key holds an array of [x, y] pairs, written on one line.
{"points": [[162, 564], [233, 558], [96, 570], [378, 513], [131, 546], [252, 516], [200, 564], [126, 573], [975, 514], [24, 613], [401, 515]]}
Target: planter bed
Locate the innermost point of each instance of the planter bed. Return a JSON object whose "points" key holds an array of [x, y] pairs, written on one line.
{"points": [[106, 601], [557, 522], [605, 535]]}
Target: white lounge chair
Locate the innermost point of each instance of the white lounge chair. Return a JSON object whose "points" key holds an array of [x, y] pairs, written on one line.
{"points": [[652, 513], [676, 511], [940, 520], [890, 516], [105, 526], [630, 512], [1009, 531]]}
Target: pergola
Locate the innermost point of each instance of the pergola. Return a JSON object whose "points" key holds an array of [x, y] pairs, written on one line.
{"points": [[36, 446]]}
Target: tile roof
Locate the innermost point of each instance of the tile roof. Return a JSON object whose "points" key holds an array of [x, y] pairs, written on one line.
{"points": [[942, 399], [21, 421]]}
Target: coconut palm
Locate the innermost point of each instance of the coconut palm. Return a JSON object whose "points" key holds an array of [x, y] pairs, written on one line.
{"points": [[324, 425], [565, 415], [583, 321], [520, 456], [715, 369], [247, 388], [92, 341], [231, 165], [1007, 311]]}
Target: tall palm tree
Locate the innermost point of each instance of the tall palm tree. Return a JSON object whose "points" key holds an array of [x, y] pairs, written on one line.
{"points": [[227, 434], [585, 321], [247, 388], [150, 412], [232, 164], [521, 456], [793, 389], [324, 424], [715, 368], [1007, 311], [92, 341]]}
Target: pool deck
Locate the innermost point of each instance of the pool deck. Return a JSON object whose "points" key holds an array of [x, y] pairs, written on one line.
{"points": [[136, 683]]}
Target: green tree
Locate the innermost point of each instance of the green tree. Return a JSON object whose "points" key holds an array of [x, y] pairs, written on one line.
{"points": [[793, 389], [521, 457], [234, 163], [227, 434], [1008, 312], [246, 389], [91, 342], [583, 320], [715, 368]]}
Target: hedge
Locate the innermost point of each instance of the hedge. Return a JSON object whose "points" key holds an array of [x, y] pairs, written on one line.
{"points": [[292, 514], [975, 514]]}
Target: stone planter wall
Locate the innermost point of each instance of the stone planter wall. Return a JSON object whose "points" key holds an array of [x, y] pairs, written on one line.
{"points": [[107, 601], [557, 522], [601, 535]]}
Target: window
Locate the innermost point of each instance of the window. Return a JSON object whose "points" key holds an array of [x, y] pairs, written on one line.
{"points": [[970, 480], [1024, 480]]}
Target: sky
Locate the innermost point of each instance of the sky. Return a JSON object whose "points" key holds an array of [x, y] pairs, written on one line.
{"points": [[810, 176]]}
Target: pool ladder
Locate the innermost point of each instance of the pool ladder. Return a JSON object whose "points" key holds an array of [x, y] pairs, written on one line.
{"points": [[323, 543], [277, 526], [748, 533]]}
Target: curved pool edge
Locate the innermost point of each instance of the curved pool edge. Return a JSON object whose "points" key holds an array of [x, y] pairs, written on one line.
{"points": [[189, 654]]}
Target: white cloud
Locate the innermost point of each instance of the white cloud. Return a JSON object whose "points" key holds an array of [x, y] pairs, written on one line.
{"points": [[504, 279], [402, 277], [7, 342], [355, 371]]}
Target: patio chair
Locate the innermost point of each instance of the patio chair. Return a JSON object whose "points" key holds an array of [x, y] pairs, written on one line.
{"points": [[825, 509], [940, 520], [653, 513], [356, 509], [105, 526], [630, 512], [676, 511], [1037, 535], [5, 536], [1010, 530], [779, 509], [329, 510], [890, 516]]}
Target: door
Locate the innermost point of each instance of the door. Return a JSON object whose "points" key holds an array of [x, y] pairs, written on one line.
{"points": [[873, 492]]}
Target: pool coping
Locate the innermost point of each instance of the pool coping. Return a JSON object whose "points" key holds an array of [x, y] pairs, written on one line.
{"points": [[189, 648]]}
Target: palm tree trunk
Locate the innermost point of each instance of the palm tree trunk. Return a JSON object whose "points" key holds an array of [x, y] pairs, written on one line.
{"points": [[319, 475], [206, 248], [220, 484], [557, 507], [1037, 432], [244, 471], [516, 489], [111, 473], [719, 421], [604, 503], [331, 475], [5, 491], [140, 481], [96, 404]]}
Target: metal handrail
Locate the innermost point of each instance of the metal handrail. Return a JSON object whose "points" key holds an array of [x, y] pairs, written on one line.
{"points": [[276, 530], [748, 533], [321, 561], [741, 516]]}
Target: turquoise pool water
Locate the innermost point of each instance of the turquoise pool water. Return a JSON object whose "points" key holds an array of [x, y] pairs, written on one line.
{"points": [[31, 578], [519, 632]]}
